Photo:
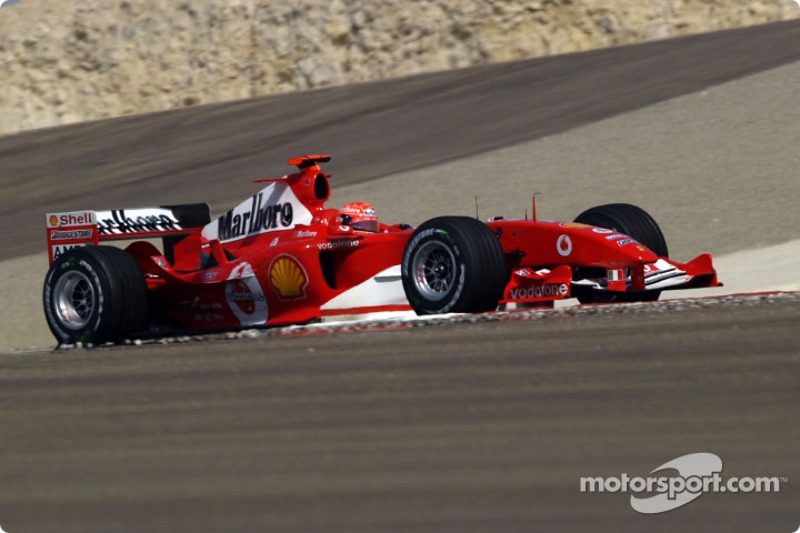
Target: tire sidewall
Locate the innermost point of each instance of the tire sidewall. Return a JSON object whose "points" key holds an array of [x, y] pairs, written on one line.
{"points": [[630, 220], [451, 298], [80, 263]]}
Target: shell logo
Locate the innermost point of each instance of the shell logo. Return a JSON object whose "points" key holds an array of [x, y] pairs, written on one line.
{"points": [[53, 220], [576, 225], [288, 277]]}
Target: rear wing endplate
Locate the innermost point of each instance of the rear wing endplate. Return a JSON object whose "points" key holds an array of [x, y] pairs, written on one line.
{"points": [[85, 228]]}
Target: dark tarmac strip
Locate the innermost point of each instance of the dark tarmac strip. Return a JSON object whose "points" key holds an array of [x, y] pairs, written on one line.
{"points": [[471, 427]]}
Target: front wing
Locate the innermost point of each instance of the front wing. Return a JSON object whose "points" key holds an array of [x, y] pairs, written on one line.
{"points": [[545, 285]]}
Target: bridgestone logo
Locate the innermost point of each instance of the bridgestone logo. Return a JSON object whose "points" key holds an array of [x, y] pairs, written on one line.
{"points": [[422, 235], [70, 235]]}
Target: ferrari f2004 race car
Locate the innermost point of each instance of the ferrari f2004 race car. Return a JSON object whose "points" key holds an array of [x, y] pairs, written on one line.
{"points": [[282, 257]]}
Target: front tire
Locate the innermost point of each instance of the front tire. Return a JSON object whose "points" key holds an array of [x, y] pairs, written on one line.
{"points": [[454, 265], [635, 222], [95, 294], [630, 220]]}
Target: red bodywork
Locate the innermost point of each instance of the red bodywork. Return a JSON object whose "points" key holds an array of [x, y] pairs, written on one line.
{"points": [[282, 257]]}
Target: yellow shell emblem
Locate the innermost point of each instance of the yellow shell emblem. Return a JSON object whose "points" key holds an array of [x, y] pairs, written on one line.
{"points": [[53, 220], [288, 278], [574, 225]]}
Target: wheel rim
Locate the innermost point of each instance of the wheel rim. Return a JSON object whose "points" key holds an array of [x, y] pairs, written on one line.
{"points": [[74, 299], [434, 268]]}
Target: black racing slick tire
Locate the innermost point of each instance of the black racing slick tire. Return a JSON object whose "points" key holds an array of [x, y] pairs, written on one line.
{"points": [[454, 265], [635, 222], [95, 294], [630, 220]]}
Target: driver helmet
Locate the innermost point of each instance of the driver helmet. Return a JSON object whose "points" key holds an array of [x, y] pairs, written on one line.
{"points": [[362, 217]]}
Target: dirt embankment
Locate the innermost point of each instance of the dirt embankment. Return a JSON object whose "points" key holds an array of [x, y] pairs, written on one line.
{"points": [[67, 62]]}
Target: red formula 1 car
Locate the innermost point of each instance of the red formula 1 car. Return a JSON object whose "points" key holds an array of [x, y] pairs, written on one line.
{"points": [[282, 257]]}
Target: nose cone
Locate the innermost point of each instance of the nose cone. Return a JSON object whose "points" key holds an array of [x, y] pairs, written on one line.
{"points": [[639, 253]]}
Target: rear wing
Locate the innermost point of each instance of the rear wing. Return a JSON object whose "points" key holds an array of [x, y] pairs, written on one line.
{"points": [[86, 228]]}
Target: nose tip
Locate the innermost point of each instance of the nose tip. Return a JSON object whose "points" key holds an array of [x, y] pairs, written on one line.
{"points": [[647, 256]]}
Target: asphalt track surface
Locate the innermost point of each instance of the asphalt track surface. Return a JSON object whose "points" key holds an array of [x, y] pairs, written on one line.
{"points": [[469, 427]]}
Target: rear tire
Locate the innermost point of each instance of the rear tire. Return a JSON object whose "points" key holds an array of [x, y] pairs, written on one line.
{"points": [[634, 222], [454, 265], [95, 294]]}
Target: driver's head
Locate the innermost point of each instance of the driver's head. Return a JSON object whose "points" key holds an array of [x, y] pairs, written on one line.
{"points": [[362, 217]]}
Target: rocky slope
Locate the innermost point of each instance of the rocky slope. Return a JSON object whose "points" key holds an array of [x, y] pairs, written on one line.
{"points": [[66, 62]]}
